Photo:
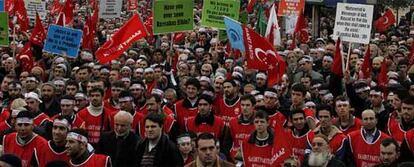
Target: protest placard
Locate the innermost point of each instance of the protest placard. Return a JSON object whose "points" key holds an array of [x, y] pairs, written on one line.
{"points": [[353, 22], [109, 9], [290, 7], [35, 5], [215, 10], [4, 29], [62, 40], [172, 16]]}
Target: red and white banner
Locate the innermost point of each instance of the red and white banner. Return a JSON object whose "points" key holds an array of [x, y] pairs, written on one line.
{"points": [[129, 33]]}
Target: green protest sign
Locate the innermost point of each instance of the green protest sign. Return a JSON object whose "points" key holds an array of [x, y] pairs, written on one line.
{"points": [[215, 10], [172, 16], [4, 29]]}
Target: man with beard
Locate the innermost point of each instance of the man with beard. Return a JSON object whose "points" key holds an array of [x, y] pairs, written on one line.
{"points": [[229, 105], [96, 117], [23, 142], [402, 119], [112, 103], [33, 104], [301, 133], [365, 143], [390, 152], [241, 127], [121, 143], [50, 105], [271, 105], [261, 82], [55, 149], [157, 149], [187, 107], [67, 105], [15, 91], [137, 90], [320, 156], [205, 120], [77, 149]]}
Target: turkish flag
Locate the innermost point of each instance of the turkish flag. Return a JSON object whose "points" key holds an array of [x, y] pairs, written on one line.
{"points": [[250, 5], [382, 76], [129, 33], [21, 13], [132, 4], [366, 67], [148, 27], [56, 7], [261, 55], [66, 14], [9, 6], [384, 22], [25, 58], [89, 31], [301, 28], [336, 67], [38, 33]]}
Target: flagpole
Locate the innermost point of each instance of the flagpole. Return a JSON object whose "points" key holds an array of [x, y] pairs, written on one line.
{"points": [[172, 41], [348, 55], [14, 42]]}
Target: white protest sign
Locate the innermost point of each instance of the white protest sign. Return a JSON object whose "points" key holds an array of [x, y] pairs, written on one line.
{"points": [[353, 22], [109, 9], [35, 5], [290, 23]]}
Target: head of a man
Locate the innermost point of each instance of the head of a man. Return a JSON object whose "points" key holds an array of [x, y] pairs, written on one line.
{"points": [[389, 151], [342, 106], [320, 154], [192, 86], [154, 103], [298, 94], [230, 88], [206, 149], [96, 97], [24, 124], [247, 103], [153, 126], [324, 114], [204, 104], [184, 144], [369, 119], [298, 119], [61, 127], [407, 109], [76, 142], [67, 105], [261, 121], [123, 123]]}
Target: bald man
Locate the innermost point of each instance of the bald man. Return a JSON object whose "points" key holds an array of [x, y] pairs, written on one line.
{"points": [[365, 143], [121, 143]]}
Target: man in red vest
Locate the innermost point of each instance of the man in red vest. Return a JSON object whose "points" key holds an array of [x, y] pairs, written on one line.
{"points": [[365, 143], [228, 105], [301, 134], [187, 107], [23, 142], [55, 149], [77, 149], [345, 122]]}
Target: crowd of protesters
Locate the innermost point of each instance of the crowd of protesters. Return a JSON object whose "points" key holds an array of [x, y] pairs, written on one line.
{"points": [[194, 102]]}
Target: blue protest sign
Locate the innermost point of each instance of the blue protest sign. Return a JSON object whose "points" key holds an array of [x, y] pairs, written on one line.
{"points": [[1, 5], [234, 33], [62, 40]]}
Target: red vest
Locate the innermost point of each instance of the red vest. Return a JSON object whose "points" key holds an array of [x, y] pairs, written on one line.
{"points": [[357, 125], [108, 105], [168, 124], [214, 129], [5, 114], [39, 119], [24, 152], [183, 113], [46, 154], [409, 138], [95, 160], [225, 111], [136, 123], [337, 142], [239, 132], [94, 124], [277, 120], [365, 154], [301, 143], [394, 129]]}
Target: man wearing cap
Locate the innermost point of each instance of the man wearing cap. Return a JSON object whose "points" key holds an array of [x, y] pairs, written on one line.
{"points": [[121, 144], [33, 104], [305, 66], [23, 142], [228, 105], [187, 107], [67, 105], [55, 148], [77, 149], [50, 104], [261, 82]]}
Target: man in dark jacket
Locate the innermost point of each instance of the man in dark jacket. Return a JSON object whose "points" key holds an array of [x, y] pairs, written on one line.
{"points": [[320, 154], [156, 149], [120, 144]]}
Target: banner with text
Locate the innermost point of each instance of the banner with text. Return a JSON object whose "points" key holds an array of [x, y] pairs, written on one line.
{"points": [[62, 40], [4, 29], [109, 9], [35, 5], [290, 7], [353, 22], [172, 16], [215, 10]]}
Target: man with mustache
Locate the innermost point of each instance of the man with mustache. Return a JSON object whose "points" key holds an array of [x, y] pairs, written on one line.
{"points": [[320, 156]]}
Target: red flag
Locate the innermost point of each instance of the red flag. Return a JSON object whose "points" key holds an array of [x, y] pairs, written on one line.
{"points": [[56, 7], [129, 33], [261, 55], [336, 67], [384, 22], [366, 67], [9, 6], [382, 76], [38, 33], [301, 29], [411, 56], [250, 5], [148, 26], [25, 58], [66, 14], [89, 31], [132, 4], [179, 37], [21, 14]]}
